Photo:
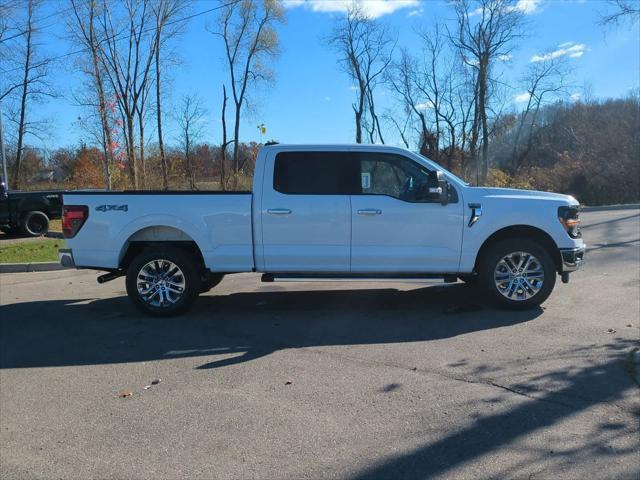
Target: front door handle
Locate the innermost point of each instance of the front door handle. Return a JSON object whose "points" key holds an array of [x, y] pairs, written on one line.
{"points": [[370, 211], [279, 211]]}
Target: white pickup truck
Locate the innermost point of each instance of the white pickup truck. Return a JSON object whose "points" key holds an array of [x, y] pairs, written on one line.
{"points": [[350, 212]]}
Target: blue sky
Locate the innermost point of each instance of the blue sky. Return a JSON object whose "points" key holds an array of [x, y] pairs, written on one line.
{"points": [[311, 98]]}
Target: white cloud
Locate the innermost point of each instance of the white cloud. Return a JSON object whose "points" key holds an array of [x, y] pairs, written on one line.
{"points": [[371, 8], [417, 12], [424, 106], [527, 6], [576, 96], [505, 58], [522, 97], [569, 49]]}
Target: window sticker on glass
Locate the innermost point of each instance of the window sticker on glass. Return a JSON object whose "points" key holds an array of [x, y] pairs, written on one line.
{"points": [[366, 181]]}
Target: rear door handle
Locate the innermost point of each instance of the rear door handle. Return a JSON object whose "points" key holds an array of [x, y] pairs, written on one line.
{"points": [[370, 211], [279, 211]]}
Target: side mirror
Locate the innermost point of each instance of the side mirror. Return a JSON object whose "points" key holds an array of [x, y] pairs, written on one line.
{"points": [[441, 192], [4, 193]]}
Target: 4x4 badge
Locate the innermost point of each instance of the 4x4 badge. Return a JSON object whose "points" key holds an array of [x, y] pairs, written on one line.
{"points": [[108, 208]]}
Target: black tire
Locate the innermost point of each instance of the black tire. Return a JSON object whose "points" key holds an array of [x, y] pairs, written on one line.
{"points": [[545, 264], [35, 224], [190, 275], [210, 280]]}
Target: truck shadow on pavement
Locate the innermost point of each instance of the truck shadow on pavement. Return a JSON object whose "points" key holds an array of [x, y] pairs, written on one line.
{"points": [[238, 327], [608, 450]]}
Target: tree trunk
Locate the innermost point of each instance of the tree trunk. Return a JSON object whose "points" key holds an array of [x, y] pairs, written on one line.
{"points": [[143, 167], [223, 149], [482, 110], [131, 153], [163, 158], [236, 135], [358, 126], [23, 101]]}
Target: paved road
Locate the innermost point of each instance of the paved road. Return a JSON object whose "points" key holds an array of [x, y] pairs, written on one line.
{"points": [[326, 380]]}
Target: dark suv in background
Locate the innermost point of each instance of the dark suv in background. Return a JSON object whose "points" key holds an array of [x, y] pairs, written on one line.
{"points": [[28, 213]]}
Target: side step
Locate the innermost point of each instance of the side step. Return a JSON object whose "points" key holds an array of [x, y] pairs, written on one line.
{"points": [[359, 277]]}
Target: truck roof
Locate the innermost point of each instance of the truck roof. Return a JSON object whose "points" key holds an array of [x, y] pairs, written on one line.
{"points": [[334, 146]]}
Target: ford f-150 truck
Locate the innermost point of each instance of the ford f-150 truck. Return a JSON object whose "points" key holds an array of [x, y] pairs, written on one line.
{"points": [[327, 212]]}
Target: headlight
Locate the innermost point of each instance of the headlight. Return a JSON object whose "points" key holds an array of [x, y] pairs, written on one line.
{"points": [[569, 217]]}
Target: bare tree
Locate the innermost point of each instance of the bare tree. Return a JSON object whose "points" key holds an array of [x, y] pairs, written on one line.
{"points": [[127, 61], [190, 120], [31, 84], [165, 12], [621, 11], [247, 29], [225, 142], [6, 12], [405, 80], [364, 47], [423, 86], [545, 81], [484, 35], [82, 27]]}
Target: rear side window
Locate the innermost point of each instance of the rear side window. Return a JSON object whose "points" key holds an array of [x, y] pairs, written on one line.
{"points": [[317, 173]]}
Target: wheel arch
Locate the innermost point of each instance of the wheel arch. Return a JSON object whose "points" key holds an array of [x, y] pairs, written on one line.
{"points": [[526, 231], [158, 236]]}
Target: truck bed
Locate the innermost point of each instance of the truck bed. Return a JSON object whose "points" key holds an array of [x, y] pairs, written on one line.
{"points": [[218, 222]]}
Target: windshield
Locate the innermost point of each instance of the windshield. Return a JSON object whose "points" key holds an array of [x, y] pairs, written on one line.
{"points": [[443, 169]]}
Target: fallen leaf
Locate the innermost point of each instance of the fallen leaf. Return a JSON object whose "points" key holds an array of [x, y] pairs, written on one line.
{"points": [[288, 383], [156, 381], [125, 394], [611, 330]]}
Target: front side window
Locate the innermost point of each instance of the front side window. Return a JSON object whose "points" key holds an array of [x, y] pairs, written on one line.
{"points": [[316, 173], [395, 176]]}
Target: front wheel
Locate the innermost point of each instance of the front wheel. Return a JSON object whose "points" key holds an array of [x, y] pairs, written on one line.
{"points": [[518, 273], [163, 281]]}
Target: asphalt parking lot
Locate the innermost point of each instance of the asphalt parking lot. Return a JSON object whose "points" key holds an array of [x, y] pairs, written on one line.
{"points": [[354, 381]]}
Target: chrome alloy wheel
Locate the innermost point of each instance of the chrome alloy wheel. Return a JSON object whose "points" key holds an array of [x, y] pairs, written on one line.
{"points": [[160, 283], [519, 276]]}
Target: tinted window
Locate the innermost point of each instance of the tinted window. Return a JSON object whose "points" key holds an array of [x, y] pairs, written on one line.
{"points": [[319, 173], [395, 176]]}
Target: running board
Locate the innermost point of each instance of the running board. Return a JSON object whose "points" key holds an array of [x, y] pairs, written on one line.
{"points": [[358, 277]]}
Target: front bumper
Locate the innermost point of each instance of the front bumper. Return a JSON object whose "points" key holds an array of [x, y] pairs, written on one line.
{"points": [[65, 255], [572, 258]]}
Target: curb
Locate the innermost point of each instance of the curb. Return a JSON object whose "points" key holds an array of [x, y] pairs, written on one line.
{"points": [[630, 206], [30, 267]]}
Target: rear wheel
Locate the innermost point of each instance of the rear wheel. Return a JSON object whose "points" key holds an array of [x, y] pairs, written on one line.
{"points": [[35, 224], [518, 273], [163, 281]]}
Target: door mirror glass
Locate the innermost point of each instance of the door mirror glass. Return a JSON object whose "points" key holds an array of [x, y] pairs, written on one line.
{"points": [[443, 188], [437, 188]]}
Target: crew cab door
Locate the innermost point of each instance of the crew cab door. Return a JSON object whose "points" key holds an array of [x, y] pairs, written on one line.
{"points": [[396, 226], [306, 212]]}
